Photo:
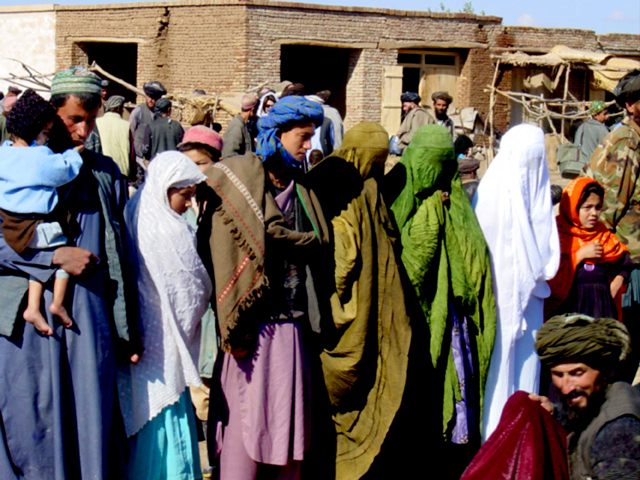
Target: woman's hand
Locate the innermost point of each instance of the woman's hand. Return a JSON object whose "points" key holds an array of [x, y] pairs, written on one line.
{"points": [[590, 251]]}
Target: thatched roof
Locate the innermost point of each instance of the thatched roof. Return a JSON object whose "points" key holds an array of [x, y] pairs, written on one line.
{"points": [[607, 69]]}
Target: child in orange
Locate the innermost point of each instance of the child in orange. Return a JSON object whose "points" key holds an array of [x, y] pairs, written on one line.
{"points": [[592, 261]]}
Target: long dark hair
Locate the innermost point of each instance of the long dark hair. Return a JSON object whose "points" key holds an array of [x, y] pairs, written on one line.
{"points": [[588, 190]]}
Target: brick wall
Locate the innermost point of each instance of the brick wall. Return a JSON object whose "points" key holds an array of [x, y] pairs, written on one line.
{"points": [[228, 46], [535, 38], [199, 45], [369, 33]]}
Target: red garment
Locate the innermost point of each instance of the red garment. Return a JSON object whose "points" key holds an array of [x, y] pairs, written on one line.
{"points": [[529, 444], [573, 236]]}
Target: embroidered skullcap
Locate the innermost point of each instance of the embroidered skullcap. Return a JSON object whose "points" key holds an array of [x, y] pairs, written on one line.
{"points": [[15, 90], [154, 90], [628, 88], [596, 107], [76, 80], [598, 342], [113, 103], [286, 111], [442, 96], [163, 105], [28, 117], [249, 101], [410, 97], [203, 135]]}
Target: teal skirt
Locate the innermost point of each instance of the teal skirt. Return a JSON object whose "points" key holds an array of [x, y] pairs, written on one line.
{"points": [[167, 447]]}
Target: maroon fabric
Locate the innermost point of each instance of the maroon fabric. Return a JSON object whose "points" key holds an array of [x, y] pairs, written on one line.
{"points": [[528, 444]]}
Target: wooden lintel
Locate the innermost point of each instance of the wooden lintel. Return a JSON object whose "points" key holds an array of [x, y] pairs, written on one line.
{"points": [[106, 40], [395, 44], [324, 43]]}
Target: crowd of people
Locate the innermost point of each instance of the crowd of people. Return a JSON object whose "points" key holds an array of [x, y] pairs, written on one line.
{"points": [[273, 292]]}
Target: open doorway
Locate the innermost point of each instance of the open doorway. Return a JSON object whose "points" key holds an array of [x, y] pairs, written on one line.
{"points": [[318, 68], [119, 59]]}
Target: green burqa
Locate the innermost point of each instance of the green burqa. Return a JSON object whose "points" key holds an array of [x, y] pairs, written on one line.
{"points": [[365, 352], [446, 258]]}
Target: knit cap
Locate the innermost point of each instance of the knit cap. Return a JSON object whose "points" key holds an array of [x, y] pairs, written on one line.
{"points": [[76, 80]]}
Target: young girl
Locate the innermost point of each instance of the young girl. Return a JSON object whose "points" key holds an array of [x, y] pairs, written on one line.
{"points": [[174, 290], [29, 180], [592, 262]]}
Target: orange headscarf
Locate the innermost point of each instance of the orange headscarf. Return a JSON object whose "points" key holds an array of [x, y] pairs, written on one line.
{"points": [[573, 236]]}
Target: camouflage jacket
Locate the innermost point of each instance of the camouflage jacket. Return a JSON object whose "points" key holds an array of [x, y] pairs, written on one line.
{"points": [[616, 165]]}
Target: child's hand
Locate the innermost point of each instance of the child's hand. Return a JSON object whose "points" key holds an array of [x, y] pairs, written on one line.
{"points": [[616, 285], [591, 251]]}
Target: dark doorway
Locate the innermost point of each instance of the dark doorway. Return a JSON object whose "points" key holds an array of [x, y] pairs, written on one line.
{"points": [[119, 59], [317, 68]]}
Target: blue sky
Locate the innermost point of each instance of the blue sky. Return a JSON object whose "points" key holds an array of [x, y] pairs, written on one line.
{"points": [[611, 16]]}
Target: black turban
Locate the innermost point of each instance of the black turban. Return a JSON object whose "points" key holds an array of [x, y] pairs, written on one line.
{"points": [[154, 90], [410, 97]]}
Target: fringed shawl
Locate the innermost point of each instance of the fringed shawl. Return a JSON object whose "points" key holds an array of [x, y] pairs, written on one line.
{"points": [[238, 246]]}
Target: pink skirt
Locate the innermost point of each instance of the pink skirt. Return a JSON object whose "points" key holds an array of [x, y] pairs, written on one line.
{"points": [[268, 401]]}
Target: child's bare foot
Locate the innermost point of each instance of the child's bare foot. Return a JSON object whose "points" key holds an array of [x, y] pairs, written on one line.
{"points": [[35, 318], [59, 311]]}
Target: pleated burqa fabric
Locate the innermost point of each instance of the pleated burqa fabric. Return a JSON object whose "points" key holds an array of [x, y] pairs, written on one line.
{"points": [[447, 261], [365, 352]]}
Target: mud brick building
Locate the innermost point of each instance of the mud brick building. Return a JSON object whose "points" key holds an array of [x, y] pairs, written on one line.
{"points": [[365, 56]]}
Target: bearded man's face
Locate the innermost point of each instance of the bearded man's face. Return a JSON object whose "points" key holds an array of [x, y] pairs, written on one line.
{"points": [[581, 387]]}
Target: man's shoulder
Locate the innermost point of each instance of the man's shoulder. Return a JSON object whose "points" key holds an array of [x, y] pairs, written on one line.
{"points": [[621, 400], [111, 118], [624, 134], [100, 163], [615, 452]]}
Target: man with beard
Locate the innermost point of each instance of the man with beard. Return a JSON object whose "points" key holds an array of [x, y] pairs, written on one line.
{"points": [[441, 102], [415, 117], [601, 415]]}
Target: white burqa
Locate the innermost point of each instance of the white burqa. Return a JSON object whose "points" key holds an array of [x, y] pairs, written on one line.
{"points": [[173, 288], [514, 209]]}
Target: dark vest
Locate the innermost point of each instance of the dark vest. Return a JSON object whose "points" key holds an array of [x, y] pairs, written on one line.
{"points": [[621, 400]]}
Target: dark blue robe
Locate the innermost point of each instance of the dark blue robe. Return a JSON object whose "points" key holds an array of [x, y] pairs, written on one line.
{"points": [[59, 414]]}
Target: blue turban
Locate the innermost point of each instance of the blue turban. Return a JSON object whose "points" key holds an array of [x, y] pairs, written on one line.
{"points": [[286, 110]]}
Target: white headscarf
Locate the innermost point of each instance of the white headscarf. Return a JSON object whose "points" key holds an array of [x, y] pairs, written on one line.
{"points": [[514, 209], [174, 290]]}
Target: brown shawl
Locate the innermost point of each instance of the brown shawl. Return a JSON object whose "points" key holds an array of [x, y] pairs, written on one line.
{"points": [[243, 212]]}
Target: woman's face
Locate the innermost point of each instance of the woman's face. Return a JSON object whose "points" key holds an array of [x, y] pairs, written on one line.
{"points": [[267, 105], [180, 198], [589, 212], [201, 158], [297, 140]]}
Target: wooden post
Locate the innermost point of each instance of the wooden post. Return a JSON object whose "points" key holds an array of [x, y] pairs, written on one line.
{"points": [[564, 98], [97, 68], [492, 100]]}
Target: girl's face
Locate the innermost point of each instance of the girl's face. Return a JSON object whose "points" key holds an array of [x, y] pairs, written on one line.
{"points": [[180, 198], [43, 136], [200, 158], [589, 212]]}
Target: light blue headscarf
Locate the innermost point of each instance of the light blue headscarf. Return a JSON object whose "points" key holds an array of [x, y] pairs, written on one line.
{"points": [[286, 110]]}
